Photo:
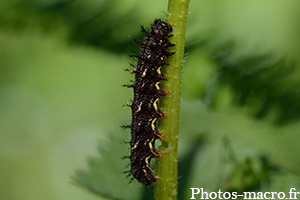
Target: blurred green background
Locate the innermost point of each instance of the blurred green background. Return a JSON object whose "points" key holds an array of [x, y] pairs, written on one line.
{"points": [[61, 71]]}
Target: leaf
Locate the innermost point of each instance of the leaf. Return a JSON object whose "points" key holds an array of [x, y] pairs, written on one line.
{"points": [[231, 151], [266, 84], [105, 176]]}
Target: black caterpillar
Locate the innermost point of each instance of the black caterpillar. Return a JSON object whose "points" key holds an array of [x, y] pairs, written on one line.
{"points": [[144, 107]]}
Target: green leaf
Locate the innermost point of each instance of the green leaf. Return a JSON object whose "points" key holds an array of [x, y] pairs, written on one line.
{"points": [[231, 151], [105, 175]]}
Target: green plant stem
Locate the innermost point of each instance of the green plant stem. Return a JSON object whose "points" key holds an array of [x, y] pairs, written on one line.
{"points": [[166, 166]]}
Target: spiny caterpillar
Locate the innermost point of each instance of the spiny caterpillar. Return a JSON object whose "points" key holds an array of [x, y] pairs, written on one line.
{"points": [[144, 107]]}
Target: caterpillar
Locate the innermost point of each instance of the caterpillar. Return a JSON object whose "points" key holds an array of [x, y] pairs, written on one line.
{"points": [[144, 107]]}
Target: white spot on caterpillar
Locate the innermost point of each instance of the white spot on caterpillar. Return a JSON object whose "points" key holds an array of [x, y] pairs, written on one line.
{"points": [[139, 108], [158, 70], [155, 104], [146, 160], [134, 147], [152, 124], [150, 144], [157, 85], [144, 73]]}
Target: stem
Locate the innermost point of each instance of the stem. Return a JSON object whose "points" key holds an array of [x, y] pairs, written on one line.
{"points": [[166, 166]]}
